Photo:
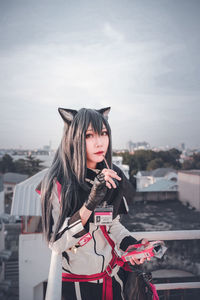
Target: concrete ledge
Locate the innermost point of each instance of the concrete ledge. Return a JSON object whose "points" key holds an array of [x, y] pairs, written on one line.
{"points": [[172, 235], [177, 286]]}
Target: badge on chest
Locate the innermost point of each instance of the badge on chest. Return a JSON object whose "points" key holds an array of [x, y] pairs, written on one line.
{"points": [[103, 215]]}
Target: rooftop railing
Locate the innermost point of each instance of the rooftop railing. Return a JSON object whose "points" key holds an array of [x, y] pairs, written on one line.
{"points": [[172, 236]]}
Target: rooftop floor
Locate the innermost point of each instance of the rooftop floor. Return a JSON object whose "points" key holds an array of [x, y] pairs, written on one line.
{"points": [[165, 215]]}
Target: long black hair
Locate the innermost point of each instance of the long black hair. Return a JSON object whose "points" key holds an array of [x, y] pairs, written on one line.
{"points": [[69, 166]]}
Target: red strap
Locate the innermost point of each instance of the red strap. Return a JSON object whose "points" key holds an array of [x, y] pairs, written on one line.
{"points": [[155, 294], [106, 235], [107, 292], [81, 278], [118, 260]]}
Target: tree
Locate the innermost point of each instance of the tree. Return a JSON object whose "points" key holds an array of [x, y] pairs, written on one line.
{"points": [[143, 160], [29, 166], [192, 163], [7, 164], [188, 164], [155, 164], [21, 166], [33, 165]]}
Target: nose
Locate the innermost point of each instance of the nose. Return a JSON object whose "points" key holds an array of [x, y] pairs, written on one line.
{"points": [[98, 141]]}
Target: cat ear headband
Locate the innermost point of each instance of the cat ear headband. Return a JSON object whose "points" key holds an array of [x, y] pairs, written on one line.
{"points": [[69, 114]]}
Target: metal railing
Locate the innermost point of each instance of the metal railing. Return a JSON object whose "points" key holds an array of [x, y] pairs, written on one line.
{"points": [[171, 236]]}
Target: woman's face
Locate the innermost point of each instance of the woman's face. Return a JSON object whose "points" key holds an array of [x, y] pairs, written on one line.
{"points": [[96, 146]]}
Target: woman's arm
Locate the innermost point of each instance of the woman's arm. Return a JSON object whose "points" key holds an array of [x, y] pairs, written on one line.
{"points": [[121, 235], [102, 181], [71, 230], [84, 214], [124, 239]]}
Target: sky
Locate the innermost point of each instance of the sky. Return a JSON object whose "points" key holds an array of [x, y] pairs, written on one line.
{"points": [[141, 57]]}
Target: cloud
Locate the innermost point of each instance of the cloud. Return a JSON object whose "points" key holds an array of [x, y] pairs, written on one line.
{"points": [[113, 34], [52, 72], [101, 69]]}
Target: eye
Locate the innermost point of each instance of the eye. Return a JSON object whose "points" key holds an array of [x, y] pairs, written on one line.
{"points": [[104, 132], [88, 135]]}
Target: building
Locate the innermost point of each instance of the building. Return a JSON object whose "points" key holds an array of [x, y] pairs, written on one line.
{"points": [[117, 160], [161, 179], [4, 254], [189, 188], [26, 203], [1, 195], [11, 179], [157, 185], [138, 146]]}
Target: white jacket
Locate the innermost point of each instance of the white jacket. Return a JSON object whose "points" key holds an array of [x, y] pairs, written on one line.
{"points": [[92, 257], [80, 252]]}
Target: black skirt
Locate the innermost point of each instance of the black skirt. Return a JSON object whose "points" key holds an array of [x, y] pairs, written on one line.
{"points": [[93, 291]]}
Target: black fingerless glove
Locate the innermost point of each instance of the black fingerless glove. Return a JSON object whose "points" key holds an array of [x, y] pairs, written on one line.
{"points": [[97, 193]]}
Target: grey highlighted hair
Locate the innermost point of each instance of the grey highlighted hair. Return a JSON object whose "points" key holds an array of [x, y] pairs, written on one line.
{"points": [[69, 166]]}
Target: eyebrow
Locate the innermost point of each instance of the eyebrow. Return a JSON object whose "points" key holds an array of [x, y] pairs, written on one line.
{"points": [[91, 129]]}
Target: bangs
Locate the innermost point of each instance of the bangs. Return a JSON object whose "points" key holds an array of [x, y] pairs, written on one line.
{"points": [[95, 119]]}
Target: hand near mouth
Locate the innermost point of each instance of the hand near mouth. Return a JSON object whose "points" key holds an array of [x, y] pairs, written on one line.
{"points": [[110, 177]]}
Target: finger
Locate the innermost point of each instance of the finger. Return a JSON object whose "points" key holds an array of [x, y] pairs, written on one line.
{"points": [[108, 171], [111, 173], [108, 176], [136, 261], [111, 181], [148, 258], [142, 260], [132, 261], [144, 241], [108, 185], [116, 176]]}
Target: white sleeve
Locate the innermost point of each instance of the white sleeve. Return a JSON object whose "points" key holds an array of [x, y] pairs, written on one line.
{"points": [[71, 230], [121, 235]]}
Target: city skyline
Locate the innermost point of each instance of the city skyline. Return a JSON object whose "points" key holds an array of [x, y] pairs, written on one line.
{"points": [[48, 147], [139, 57]]}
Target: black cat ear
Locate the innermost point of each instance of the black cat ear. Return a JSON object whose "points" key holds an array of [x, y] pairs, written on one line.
{"points": [[67, 114], [104, 112]]}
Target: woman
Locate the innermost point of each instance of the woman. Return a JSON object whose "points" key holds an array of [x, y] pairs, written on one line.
{"points": [[83, 195]]}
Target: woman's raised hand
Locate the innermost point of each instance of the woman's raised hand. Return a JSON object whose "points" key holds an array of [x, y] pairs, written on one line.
{"points": [[104, 179], [110, 177]]}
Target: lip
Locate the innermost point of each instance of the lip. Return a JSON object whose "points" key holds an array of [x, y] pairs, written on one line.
{"points": [[99, 153]]}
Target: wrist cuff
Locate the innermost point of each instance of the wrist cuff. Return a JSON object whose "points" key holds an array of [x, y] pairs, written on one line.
{"points": [[127, 241]]}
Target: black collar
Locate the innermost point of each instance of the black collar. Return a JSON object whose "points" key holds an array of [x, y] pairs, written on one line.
{"points": [[91, 174]]}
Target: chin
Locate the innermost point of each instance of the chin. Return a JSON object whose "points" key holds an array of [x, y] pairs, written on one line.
{"points": [[98, 161]]}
